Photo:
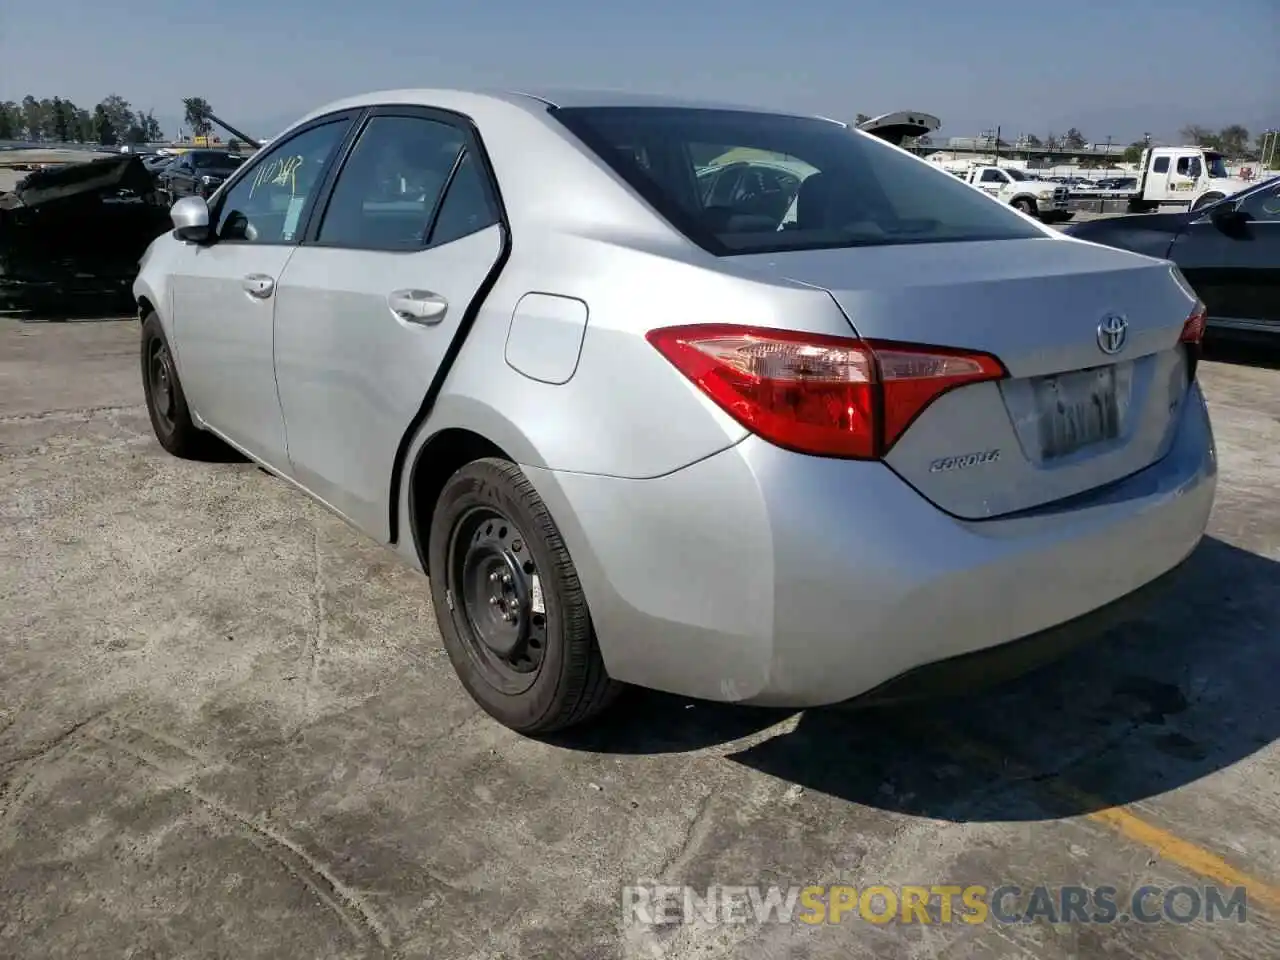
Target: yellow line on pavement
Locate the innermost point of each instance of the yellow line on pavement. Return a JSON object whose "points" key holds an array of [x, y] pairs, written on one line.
{"points": [[1166, 845]]}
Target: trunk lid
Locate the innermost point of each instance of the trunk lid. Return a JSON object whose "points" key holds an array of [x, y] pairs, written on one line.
{"points": [[1070, 417]]}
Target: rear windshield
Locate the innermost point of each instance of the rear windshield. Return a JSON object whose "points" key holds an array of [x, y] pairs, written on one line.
{"points": [[737, 182]]}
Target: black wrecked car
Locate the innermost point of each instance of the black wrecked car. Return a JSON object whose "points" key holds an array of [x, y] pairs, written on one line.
{"points": [[196, 173], [1229, 252]]}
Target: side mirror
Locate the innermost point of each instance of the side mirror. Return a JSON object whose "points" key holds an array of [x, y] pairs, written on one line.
{"points": [[190, 217]]}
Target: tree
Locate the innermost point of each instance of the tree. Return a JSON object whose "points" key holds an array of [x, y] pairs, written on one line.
{"points": [[1234, 140], [1199, 136], [151, 131], [1074, 139], [61, 127], [32, 118], [118, 112], [82, 126], [1133, 152], [103, 130], [195, 112], [861, 118], [10, 120]]}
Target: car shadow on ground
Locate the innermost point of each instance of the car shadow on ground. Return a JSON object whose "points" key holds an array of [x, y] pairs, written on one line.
{"points": [[1185, 691]]}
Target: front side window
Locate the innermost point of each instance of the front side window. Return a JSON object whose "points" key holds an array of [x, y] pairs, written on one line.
{"points": [[1189, 166], [849, 189], [1216, 166], [267, 204], [992, 176]]}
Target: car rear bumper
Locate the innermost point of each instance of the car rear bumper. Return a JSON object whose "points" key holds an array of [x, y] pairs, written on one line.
{"points": [[763, 576]]}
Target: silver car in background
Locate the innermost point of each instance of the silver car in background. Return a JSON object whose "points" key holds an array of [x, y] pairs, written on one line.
{"points": [[831, 426]]}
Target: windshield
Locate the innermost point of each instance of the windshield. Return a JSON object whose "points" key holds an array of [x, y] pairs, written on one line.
{"points": [[215, 161], [1216, 166], [834, 187]]}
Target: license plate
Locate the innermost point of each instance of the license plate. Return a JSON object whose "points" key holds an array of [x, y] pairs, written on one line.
{"points": [[1076, 411]]}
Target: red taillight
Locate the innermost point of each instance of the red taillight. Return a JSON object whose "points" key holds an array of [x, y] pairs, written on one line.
{"points": [[832, 396], [1193, 328]]}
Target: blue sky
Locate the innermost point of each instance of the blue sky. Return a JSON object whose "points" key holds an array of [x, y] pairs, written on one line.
{"points": [[1029, 65]]}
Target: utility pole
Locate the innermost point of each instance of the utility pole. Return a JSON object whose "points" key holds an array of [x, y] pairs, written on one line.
{"points": [[997, 145], [1269, 149]]}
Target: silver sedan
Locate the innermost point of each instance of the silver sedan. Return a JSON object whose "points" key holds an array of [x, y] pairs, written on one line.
{"points": [[833, 426]]}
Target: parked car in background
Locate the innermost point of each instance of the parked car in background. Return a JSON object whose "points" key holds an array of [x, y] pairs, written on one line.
{"points": [[1229, 253], [196, 173], [638, 430]]}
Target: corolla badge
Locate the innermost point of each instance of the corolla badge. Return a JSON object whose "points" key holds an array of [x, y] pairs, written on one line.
{"points": [[964, 461], [1113, 331]]}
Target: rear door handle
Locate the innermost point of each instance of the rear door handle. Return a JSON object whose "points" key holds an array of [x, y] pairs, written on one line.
{"points": [[418, 306], [258, 285]]}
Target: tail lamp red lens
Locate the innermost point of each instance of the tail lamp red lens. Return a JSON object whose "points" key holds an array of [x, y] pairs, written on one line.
{"points": [[831, 396], [1193, 329]]}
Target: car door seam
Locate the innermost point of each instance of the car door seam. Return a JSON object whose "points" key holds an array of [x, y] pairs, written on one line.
{"points": [[275, 369]]}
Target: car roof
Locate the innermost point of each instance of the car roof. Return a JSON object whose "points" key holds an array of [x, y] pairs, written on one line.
{"points": [[532, 99]]}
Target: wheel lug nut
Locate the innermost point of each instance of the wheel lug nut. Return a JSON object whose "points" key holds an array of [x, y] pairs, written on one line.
{"points": [[495, 601], [495, 577]]}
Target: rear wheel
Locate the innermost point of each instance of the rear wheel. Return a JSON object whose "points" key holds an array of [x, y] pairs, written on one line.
{"points": [[511, 610]]}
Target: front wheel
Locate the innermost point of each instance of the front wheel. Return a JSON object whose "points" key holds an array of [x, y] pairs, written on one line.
{"points": [[511, 610], [1026, 206], [1207, 200], [166, 402]]}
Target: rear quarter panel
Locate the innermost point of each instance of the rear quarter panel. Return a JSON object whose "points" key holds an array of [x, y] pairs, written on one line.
{"points": [[625, 411]]}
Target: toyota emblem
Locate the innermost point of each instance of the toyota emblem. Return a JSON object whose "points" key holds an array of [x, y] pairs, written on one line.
{"points": [[1112, 333]]}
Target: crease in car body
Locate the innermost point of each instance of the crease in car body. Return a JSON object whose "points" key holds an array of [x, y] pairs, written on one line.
{"points": [[727, 436]]}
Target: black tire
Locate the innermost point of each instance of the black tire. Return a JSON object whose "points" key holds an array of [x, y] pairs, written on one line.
{"points": [[166, 403], [493, 549], [1206, 200], [1026, 206]]}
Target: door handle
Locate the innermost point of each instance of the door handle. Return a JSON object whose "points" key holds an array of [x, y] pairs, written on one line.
{"points": [[418, 306], [258, 285]]}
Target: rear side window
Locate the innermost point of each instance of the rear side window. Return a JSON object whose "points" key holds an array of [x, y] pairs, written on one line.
{"points": [[1263, 203], [1161, 165], [389, 187], [805, 183]]}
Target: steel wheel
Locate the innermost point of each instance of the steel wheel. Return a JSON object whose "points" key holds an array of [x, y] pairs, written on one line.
{"points": [[162, 380], [492, 574]]}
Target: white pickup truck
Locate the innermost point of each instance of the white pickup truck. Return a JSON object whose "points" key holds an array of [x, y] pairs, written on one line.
{"points": [[1037, 198], [1190, 177]]}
